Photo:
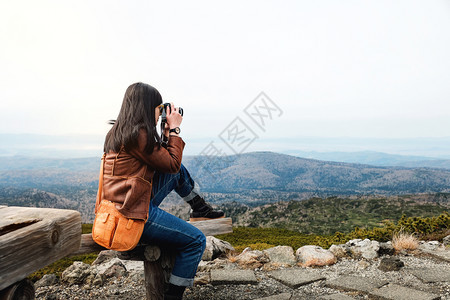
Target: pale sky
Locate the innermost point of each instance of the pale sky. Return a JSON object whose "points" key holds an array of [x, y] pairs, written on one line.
{"points": [[374, 68]]}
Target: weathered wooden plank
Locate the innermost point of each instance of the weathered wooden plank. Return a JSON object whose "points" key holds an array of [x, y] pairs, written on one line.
{"points": [[214, 226], [23, 290], [88, 245], [210, 227], [31, 238]]}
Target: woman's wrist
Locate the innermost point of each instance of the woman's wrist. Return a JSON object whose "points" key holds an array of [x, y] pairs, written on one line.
{"points": [[175, 132]]}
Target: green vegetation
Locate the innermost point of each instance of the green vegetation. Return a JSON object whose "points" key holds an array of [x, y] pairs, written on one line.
{"points": [[59, 266], [264, 238], [335, 214], [86, 228], [433, 227]]}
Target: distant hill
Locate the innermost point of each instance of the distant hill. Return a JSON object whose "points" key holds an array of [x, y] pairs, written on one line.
{"points": [[237, 173], [21, 163], [435, 163], [376, 159], [274, 171], [252, 178]]}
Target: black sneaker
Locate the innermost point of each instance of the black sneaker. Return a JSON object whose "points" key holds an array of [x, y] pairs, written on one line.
{"points": [[202, 211]]}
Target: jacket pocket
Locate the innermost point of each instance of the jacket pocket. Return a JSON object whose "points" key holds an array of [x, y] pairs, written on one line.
{"points": [[127, 234]]}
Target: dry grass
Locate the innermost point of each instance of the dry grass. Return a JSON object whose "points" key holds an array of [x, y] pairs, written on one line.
{"points": [[232, 257], [404, 241]]}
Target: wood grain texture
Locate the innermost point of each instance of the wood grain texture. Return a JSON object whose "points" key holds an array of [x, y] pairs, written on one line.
{"points": [[32, 238], [157, 275], [88, 245], [214, 226], [23, 290], [210, 227]]}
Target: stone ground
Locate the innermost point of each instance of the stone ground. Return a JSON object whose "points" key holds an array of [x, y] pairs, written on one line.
{"points": [[424, 276]]}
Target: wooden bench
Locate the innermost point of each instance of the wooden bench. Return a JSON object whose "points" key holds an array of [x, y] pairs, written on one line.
{"points": [[158, 264], [32, 238]]}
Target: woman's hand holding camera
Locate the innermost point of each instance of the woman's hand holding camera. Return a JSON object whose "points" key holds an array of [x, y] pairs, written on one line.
{"points": [[174, 119]]}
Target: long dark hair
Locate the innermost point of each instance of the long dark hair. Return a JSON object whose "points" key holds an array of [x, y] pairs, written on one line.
{"points": [[137, 111]]}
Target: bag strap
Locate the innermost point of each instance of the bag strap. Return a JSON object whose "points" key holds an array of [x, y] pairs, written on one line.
{"points": [[100, 183]]}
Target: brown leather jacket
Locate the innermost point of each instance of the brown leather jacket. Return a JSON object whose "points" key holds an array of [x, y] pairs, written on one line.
{"points": [[127, 176]]}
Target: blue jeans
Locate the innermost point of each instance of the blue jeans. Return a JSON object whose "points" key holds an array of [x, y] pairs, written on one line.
{"points": [[168, 231]]}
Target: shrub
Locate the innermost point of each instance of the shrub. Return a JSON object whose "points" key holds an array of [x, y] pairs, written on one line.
{"points": [[425, 226], [260, 238]]}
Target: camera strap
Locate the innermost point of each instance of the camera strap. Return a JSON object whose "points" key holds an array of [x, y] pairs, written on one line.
{"points": [[164, 139]]}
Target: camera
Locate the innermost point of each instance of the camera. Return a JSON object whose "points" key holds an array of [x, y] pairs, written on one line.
{"points": [[166, 106]]}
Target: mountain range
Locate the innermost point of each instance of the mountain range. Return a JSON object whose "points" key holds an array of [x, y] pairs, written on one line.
{"points": [[274, 171], [376, 158], [254, 178]]}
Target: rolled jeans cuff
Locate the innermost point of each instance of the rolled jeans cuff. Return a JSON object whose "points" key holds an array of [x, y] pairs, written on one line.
{"points": [[195, 191], [180, 281]]}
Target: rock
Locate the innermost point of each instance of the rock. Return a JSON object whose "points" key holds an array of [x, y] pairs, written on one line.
{"points": [[398, 292], [76, 273], [136, 277], [104, 256], [116, 270], [428, 246], [431, 275], [281, 255], [295, 278], [390, 264], [202, 280], [364, 248], [220, 277], [363, 264], [89, 279], [386, 249], [206, 266], [203, 266], [47, 280], [354, 242], [355, 283], [340, 251], [315, 256], [252, 259], [283, 296], [215, 248], [446, 240], [95, 279]]}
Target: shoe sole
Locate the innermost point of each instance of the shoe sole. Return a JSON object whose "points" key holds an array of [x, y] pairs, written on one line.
{"points": [[204, 219]]}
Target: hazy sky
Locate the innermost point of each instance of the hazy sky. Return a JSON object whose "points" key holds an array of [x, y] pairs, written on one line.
{"points": [[334, 68]]}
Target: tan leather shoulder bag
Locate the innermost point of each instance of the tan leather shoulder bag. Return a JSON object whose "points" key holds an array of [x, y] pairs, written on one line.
{"points": [[111, 229]]}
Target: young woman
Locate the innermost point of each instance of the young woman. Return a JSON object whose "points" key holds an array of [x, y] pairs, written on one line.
{"points": [[134, 150]]}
